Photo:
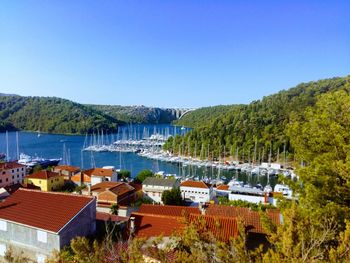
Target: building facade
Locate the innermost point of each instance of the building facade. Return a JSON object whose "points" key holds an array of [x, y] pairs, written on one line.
{"points": [[194, 191], [11, 173], [154, 187], [46, 180]]}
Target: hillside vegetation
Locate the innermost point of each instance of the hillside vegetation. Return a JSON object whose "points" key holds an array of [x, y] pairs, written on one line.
{"points": [[252, 130], [53, 115]]}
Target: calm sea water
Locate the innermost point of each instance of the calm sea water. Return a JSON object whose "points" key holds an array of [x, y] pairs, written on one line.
{"points": [[61, 146]]}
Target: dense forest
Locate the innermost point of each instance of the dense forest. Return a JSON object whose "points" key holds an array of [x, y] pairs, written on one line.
{"points": [[137, 114], [254, 132], [53, 115]]}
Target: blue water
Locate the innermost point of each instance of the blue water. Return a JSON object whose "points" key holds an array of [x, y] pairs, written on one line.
{"points": [[54, 146]]}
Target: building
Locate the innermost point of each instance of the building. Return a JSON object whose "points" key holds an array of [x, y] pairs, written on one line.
{"points": [[36, 222], [196, 191], [46, 180], [95, 175], [153, 187], [251, 195], [11, 173], [109, 193], [67, 170]]}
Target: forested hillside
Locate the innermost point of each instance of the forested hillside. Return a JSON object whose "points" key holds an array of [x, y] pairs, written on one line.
{"points": [[252, 130], [137, 114], [53, 115]]}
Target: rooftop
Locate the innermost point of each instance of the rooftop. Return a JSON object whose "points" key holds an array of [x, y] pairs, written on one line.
{"points": [[44, 210], [117, 188], [159, 181], [99, 172], [251, 219], [108, 217], [168, 210], [195, 184], [68, 168], [43, 174], [222, 187], [11, 165]]}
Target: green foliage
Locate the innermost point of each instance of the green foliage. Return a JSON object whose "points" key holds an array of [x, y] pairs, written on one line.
{"points": [[141, 176], [53, 115], [260, 125], [242, 203], [114, 209], [37, 168], [172, 197], [124, 174]]}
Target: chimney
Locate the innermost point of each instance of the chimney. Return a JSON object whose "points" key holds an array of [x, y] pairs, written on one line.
{"points": [[132, 225]]}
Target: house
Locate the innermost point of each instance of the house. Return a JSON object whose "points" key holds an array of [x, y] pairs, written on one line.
{"points": [[46, 180], [67, 170], [95, 175], [251, 195], [11, 173], [109, 193], [196, 191], [153, 187], [222, 190], [36, 222]]}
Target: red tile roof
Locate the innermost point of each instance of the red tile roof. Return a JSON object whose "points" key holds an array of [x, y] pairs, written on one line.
{"points": [[116, 188], [13, 188], [43, 175], [81, 177], [138, 187], [251, 219], [196, 184], [68, 168], [147, 225], [44, 210], [99, 172], [10, 165], [222, 187], [168, 210]]}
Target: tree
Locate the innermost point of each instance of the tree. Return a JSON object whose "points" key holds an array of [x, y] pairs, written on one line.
{"points": [[172, 197], [114, 209], [141, 176], [124, 175]]}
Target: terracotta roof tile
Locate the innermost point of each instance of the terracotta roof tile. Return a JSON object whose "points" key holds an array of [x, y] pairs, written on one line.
{"points": [[11, 165], [13, 188], [222, 187], [196, 184], [68, 168], [43, 174], [251, 219], [106, 217], [44, 210], [117, 188], [168, 210], [99, 172]]}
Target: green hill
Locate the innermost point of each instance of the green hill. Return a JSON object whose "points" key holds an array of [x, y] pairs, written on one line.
{"points": [[53, 115], [252, 129]]}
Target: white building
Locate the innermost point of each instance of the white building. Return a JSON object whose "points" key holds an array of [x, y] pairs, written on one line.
{"points": [[198, 192], [154, 187], [248, 194]]}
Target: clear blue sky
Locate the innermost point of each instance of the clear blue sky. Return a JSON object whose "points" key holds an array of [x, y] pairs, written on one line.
{"points": [[169, 53]]}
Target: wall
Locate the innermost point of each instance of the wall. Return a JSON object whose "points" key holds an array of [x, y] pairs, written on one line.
{"points": [[12, 176], [249, 198], [83, 224], [196, 194], [38, 182]]}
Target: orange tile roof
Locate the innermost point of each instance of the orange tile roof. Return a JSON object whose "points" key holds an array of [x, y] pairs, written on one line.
{"points": [[68, 168], [251, 219], [222, 187], [99, 172], [11, 165], [168, 210], [138, 187], [81, 177], [196, 184], [44, 210], [106, 217], [223, 228], [13, 188], [117, 188], [43, 174], [147, 225]]}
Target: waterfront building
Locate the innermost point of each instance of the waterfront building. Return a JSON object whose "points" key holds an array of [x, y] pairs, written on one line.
{"points": [[46, 180], [196, 191], [34, 223], [153, 187], [11, 173]]}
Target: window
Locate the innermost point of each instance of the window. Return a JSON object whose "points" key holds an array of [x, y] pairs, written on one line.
{"points": [[17, 170], [13, 177], [42, 236], [51, 181], [7, 179], [2, 250], [13, 171], [17, 175], [0, 180], [39, 182], [3, 172], [3, 225]]}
